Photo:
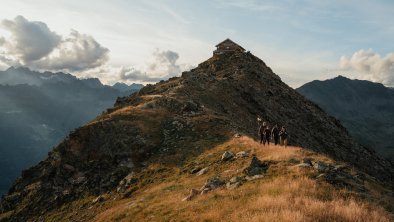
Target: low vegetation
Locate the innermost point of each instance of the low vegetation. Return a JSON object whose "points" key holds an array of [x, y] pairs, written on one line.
{"points": [[287, 192]]}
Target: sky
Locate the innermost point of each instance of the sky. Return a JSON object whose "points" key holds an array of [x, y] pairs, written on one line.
{"points": [[144, 41]]}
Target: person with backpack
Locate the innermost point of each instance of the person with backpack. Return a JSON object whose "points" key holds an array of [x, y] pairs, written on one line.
{"points": [[283, 136], [275, 134], [267, 135], [261, 131]]}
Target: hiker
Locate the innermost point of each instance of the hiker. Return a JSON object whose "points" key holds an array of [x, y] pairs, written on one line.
{"points": [[261, 131], [267, 135], [283, 136], [275, 134]]}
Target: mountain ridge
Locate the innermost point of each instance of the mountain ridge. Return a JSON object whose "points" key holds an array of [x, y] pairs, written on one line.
{"points": [[24, 75], [174, 120], [364, 107]]}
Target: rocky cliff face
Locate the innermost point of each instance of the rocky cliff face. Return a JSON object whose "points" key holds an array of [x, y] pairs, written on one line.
{"points": [[176, 119], [365, 108]]}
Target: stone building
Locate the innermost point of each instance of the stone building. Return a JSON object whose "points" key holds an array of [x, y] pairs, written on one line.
{"points": [[227, 46]]}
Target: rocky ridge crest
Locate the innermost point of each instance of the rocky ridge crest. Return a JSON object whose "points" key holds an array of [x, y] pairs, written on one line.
{"points": [[175, 119]]}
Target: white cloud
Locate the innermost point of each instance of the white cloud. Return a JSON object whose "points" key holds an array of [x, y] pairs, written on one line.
{"points": [[132, 74], [30, 41], [369, 65], [163, 67], [107, 74], [33, 44], [75, 53]]}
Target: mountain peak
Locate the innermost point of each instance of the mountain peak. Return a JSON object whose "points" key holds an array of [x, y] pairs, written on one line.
{"points": [[176, 120], [92, 82], [10, 68], [364, 107], [123, 87], [18, 68], [341, 77], [234, 63]]}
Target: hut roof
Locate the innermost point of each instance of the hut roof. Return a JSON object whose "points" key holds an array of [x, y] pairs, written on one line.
{"points": [[229, 41]]}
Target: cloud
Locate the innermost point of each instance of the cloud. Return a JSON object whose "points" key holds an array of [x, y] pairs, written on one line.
{"points": [[163, 67], [75, 53], [29, 41], [369, 65], [133, 74], [34, 45]]}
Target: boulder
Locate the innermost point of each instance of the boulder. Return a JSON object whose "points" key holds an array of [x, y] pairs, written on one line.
{"points": [[237, 135], [304, 165], [340, 167], [202, 171], [211, 184], [195, 170], [235, 182], [228, 155], [321, 176], [205, 190], [320, 166], [126, 182], [255, 177], [98, 199], [242, 154], [256, 167]]}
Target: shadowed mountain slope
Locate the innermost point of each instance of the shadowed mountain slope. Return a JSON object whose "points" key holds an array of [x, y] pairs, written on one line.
{"points": [[365, 108], [39, 109]]}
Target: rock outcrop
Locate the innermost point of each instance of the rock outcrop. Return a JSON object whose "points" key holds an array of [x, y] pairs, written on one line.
{"points": [[256, 167]]}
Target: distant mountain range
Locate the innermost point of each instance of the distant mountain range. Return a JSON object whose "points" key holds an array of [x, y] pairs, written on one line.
{"points": [[365, 108], [123, 87], [39, 109]]}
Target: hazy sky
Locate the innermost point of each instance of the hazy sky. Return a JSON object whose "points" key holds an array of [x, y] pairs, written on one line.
{"points": [[144, 41]]}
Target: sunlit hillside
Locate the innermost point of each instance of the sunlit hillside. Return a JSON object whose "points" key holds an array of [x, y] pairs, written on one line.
{"points": [[288, 191]]}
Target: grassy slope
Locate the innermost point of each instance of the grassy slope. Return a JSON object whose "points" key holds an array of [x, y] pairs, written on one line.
{"points": [[286, 193]]}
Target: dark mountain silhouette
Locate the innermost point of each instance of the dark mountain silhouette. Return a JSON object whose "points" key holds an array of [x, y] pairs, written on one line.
{"points": [[365, 108], [123, 87], [155, 134], [23, 75], [35, 117]]}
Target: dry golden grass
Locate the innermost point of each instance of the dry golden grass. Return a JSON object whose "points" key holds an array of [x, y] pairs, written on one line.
{"points": [[286, 193], [284, 200]]}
